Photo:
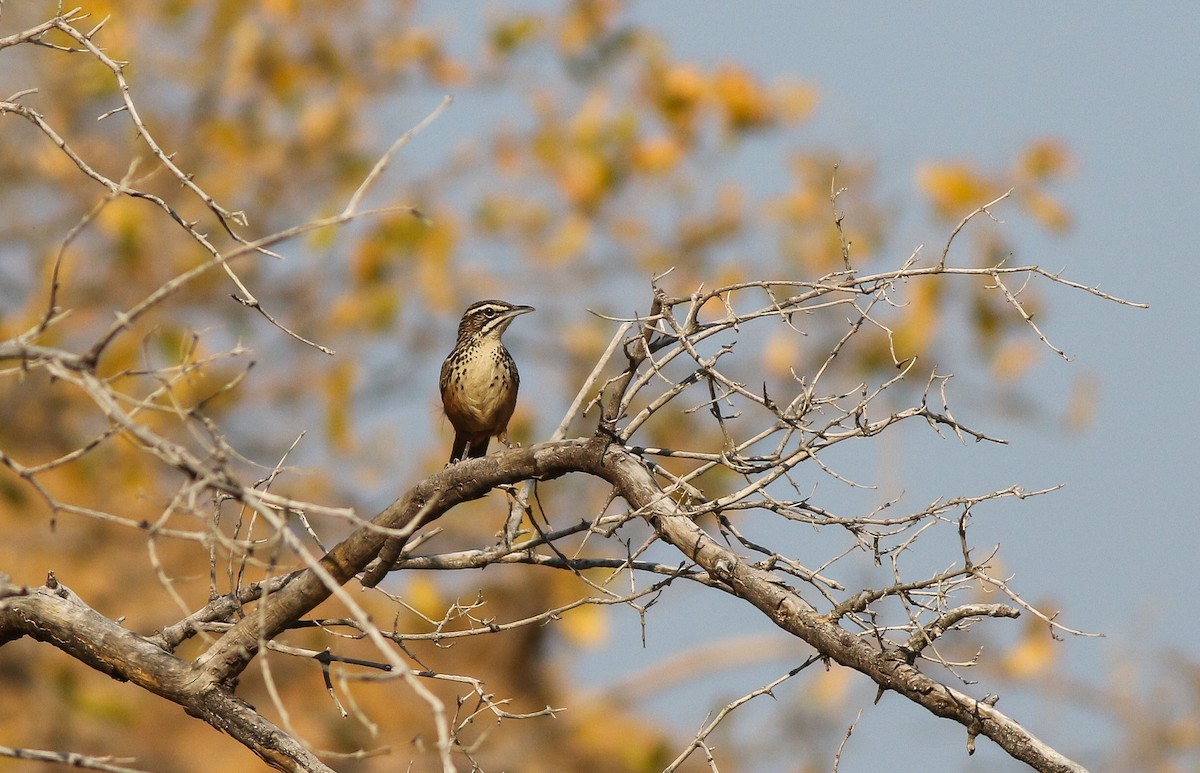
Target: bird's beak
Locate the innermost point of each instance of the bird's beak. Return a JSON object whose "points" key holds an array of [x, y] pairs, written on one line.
{"points": [[517, 311]]}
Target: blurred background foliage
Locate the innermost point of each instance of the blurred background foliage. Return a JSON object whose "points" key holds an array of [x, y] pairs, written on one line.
{"points": [[580, 159]]}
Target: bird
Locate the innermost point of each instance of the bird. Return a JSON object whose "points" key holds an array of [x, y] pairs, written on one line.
{"points": [[479, 379], [479, 383]]}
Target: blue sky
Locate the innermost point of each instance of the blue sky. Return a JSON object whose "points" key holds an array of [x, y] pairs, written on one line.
{"points": [[1120, 83], [901, 85]]}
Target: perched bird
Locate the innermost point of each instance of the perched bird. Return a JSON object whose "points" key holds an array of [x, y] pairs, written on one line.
{"points": [[479, 378], [479, 391]]}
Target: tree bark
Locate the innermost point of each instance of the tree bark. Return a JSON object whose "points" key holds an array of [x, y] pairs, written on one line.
{"points": [[55, 616]]}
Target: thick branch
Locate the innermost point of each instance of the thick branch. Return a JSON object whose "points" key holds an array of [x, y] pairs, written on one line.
{"points": [[793, 614], [637, 485], [55, 615], [428, 500]]}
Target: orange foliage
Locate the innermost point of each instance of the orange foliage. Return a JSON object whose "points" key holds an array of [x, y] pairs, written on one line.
{"points": [[677, 91], [744, 103], [1045, 159], [1033, 655], [657, 155], [279, 109], [511, 34], [338, 386], [917, 328], [583, 22], [955, 189]]}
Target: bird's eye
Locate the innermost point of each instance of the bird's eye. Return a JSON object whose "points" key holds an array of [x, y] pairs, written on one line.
{"points": [[489, 312]]}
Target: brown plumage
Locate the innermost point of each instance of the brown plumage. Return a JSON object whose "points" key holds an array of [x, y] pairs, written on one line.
{"points": [[479, 391], [479, 379]]}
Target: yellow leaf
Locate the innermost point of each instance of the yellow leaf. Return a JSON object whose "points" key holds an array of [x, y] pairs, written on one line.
{"points": [[587, 126], [124, 353], [657, 155], [568, 240], [376, 306], [373, 256], [514, 33], [320, 123], [803, 204], [1032, 656], [1081, 411], [954, 188], [677, 92], [741, 96], [446, 71], [1014, 360], [794, 101], [988, 314], [124, 220], [586, 626], [243, 59], [832, 685], [339, 384], [918, 326], [606, 731], [730, 273], [508, 152], [584, 178], [584, 22], [423, 595], [582, 340], [629, 230], [418, 44], [435, 250], [1047, 211], [781, 354], [343, 312], [282, 10], [1044, 158], [52, 163], [683, 84]]}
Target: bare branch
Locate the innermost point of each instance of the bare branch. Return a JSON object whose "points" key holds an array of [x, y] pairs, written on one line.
{"points": [[70, 759], [984, 210], [380, 165]]}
